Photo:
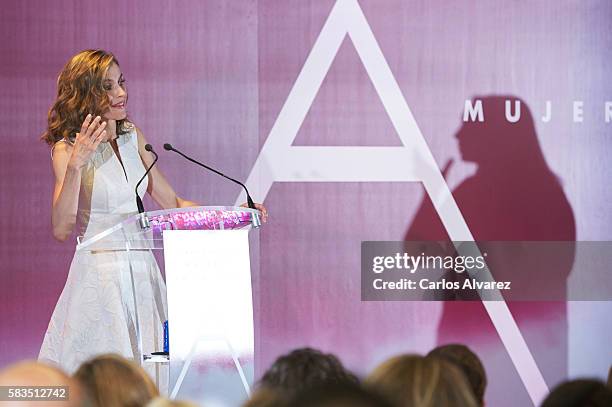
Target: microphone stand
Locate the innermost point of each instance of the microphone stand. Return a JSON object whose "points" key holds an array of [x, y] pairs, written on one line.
{"points": [[168, 147], [143, 219]]}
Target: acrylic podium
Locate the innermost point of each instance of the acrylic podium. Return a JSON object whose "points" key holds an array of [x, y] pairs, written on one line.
{"points": [[205, 253]]}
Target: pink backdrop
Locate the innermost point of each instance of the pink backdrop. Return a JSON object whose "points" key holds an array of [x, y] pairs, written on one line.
{"points": [[211, 77]]}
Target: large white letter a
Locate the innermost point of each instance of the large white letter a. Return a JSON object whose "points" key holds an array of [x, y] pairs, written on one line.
{"points": [[279, 161]]}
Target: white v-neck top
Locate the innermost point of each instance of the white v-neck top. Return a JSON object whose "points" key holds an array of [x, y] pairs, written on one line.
{"points": [[106, 196]]}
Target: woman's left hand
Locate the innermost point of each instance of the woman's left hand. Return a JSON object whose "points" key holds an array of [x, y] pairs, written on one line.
{"points": [[260, 208]]}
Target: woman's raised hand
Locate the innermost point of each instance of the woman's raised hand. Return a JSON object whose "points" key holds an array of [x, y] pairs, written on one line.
{"points": [[87, 141]]}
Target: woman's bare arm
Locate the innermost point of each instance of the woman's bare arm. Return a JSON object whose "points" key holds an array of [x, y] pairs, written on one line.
{"points": [[68, 161], [65, 193]]}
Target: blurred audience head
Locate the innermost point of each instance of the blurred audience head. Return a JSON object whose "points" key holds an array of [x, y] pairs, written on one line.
{"points": [[469, 363], [164, 402], [339, 395], [265, 397], [31, 373], [417, 381], [304, 368], [111, 380], [579, 393]]}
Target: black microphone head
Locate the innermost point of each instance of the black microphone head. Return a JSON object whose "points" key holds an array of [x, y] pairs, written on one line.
{"points": [[250, 201], [148, 147], [168, 146]]}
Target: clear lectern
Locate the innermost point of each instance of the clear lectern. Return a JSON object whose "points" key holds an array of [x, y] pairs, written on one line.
{"points": [[209, 313]]}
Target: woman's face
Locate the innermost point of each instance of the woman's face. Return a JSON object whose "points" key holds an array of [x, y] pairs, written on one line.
{"points": [[114, 85]]}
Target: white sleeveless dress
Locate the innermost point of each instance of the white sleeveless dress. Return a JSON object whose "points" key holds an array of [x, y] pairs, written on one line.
{"points": [[94, 313]]}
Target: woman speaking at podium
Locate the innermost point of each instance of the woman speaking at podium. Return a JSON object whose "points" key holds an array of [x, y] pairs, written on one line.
{"points": [[98, 156]]}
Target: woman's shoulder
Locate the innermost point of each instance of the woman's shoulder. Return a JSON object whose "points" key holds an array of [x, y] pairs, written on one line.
{"points": [[136, 135], [128, 132], [128, 128], [61, 147]]}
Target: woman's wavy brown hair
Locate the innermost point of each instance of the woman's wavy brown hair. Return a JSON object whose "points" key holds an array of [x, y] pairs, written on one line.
{"points": [[80, 91]]}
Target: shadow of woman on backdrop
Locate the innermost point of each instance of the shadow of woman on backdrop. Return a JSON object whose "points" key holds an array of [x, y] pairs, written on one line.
{"points": [[513, 196]]}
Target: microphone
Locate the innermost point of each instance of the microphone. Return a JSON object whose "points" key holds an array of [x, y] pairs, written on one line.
{"points": [[168, 147], [139, 203]]}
